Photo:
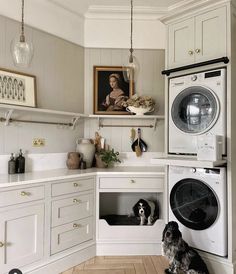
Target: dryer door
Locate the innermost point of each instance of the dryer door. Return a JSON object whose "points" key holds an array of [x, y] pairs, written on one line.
{"points": [[194, 204], [195, 110]]}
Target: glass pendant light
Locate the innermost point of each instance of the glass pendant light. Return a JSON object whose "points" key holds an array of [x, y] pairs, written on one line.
{"points": [[131, 69], [22, 51]]}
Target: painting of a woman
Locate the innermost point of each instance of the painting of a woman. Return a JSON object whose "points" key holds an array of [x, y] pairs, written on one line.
{"points": [[110, 90]]}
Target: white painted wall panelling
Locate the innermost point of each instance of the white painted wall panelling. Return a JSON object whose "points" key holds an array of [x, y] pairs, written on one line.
{"points": [[59, 69], [150, 82]]}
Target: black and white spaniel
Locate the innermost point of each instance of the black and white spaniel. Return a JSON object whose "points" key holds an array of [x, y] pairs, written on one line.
{"points": [[145, 210], [182, 258]]}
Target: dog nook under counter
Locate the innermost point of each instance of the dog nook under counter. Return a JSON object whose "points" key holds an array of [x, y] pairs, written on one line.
{"points": [[117, 227]]}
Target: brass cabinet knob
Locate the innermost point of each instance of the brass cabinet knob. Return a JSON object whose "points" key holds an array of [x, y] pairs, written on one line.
{"points": [[24, 193], [132, 181], [190, 52], [76, 201], [197, 50], [76, 225], [1, 244], [76, 184]]}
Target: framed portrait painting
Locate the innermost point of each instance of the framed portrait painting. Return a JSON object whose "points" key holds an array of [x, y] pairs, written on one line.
{"points": [[17, 88], [111, 90]]}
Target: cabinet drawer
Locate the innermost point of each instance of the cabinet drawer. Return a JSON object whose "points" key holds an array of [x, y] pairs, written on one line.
{"points": [[69, 235], [70, 209], [72, 186], [22, 195], [131, 182]]}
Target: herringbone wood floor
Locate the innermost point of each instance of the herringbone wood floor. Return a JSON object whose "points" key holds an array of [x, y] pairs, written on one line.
{"points": [[121, 265]]}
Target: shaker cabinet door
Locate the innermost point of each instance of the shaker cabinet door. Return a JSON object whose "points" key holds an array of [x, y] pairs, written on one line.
{"points": [[21, 236], [211, 35], [181, 43]]}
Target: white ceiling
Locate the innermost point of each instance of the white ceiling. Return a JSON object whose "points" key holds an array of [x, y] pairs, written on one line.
{"points": [[82, 6]]}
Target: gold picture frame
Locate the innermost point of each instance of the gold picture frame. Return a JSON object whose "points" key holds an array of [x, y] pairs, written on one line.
{"points": [[17, 88], [110, 89]]}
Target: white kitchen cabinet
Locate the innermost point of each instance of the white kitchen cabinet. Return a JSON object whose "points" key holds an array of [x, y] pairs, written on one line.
{"points": [[116, 196], [72, 216], [197, 39], [21, 236]]}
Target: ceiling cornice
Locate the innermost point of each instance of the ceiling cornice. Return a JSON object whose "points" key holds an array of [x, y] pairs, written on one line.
{"points": [[123, 12], [81, 15], [187, 6]]}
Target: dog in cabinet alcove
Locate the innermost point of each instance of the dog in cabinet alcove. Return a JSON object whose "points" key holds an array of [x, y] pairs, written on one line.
{"points": [[146, 210]]}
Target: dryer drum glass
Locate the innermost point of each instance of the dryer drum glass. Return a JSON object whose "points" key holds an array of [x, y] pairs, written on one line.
{"points": [[194, 204], [194, 110]]}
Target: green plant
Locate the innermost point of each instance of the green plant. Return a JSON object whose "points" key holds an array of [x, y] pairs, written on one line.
{"points": [[109, 157]]}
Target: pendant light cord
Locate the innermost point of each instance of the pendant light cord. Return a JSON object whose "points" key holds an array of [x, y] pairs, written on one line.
{"points": [[131, 33], [22, 36]]}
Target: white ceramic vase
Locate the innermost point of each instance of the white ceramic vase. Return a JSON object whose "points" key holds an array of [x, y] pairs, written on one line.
{"points": [[87, 150]]}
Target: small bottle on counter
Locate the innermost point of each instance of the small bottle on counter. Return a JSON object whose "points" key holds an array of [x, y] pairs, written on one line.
{"points": [[12, 165], [20, 163], [82, 164]]}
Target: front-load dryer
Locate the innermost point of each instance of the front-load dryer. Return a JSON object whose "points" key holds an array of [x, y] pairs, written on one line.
{"points": [[197, 105], [197, 201]]}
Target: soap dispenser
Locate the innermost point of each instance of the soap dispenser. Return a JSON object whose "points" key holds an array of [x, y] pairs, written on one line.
{"points": [[20, 163], [12, 165]]}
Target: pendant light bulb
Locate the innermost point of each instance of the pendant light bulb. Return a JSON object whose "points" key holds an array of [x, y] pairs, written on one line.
{"points": [[21, 50]]}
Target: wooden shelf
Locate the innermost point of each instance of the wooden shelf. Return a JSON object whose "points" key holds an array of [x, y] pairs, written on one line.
{"points": [[127, 116], [187, 161], [41, 110], [12, 109]]}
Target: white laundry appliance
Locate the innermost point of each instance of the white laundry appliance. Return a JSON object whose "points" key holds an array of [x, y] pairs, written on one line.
{"points": [[197, 105], [197, 201]]}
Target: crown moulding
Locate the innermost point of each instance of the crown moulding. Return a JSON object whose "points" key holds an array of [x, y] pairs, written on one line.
{"points": [[189, 6]]}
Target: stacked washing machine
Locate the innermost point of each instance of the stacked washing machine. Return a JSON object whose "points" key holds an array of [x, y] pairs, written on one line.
{"points": [[197, 106]]}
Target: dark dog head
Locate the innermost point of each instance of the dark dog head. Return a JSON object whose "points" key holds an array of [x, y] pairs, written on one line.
{"points": [[171, 232], [142, 208]]}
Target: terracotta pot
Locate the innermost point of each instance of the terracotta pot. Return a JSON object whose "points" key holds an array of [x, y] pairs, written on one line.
{"points": [[99, 162], [73, 160]]}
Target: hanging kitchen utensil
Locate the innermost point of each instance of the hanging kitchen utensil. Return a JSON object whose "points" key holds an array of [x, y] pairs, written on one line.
{"points": [[132, 135], [139, 142], [137, 148]]}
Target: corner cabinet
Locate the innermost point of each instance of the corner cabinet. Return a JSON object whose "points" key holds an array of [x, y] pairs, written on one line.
{"points": [[199, 38]]}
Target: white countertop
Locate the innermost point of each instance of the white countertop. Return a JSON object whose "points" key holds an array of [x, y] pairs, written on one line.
{"points": [[60, 174]]}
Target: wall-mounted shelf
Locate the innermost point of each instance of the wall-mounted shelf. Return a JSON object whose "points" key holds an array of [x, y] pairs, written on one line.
{"points": [[155, 119], [10, 109], [187, 161]]}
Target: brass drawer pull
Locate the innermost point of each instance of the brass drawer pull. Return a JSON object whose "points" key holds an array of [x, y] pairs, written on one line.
{"points": [[76, 184], [24, 193], [76, 225], [1, 244], [197, 50], [190, 52], [76, 201], [132, 181]]}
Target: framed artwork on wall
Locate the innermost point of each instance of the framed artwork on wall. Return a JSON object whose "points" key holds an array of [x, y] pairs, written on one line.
{"points": [[110, 90], [17, 88]]}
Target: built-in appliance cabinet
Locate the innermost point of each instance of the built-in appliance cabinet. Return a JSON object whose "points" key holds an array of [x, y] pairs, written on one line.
{"points": [[197, 38], [116, 196], [21, 227]]}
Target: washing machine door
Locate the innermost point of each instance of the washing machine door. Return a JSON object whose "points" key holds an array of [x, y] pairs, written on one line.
{"points": [[194, 204], [195, 110]]}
